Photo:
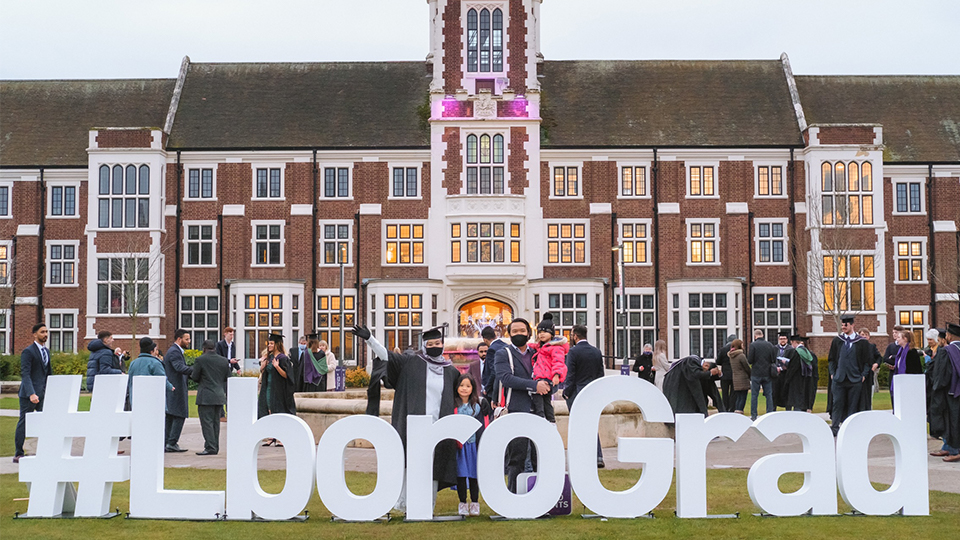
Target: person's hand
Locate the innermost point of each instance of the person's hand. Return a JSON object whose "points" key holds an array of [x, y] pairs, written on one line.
{"points": [[876, 368], [275, 363], [862, 379], [34, 399], [556, 380], [173, 389], [543, 388], [641, 368], [118, 351], [361, 332]]}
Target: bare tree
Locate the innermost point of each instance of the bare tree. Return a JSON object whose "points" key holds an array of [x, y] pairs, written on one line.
{"points": [[134, 279], [840, 269]]}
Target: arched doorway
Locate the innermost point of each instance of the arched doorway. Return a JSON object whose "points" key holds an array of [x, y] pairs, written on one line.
{"points": [[477, 314]]}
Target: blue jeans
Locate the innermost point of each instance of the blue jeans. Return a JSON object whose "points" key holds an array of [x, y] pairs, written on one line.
{"points": [[755, 385], [740, 400], [953, 451]]}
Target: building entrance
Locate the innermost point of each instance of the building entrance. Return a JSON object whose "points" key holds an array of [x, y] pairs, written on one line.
{"points": [[477, 314]]}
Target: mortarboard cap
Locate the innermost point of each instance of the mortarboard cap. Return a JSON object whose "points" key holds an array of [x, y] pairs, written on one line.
{"points": [[275, 337], [953, 329], [847, 319], [783, 333], [433, 333], [796, 337], [312, 336], [942, 333]]}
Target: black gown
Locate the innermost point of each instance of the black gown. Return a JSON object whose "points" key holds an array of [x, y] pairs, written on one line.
{"points": [[276, 392], [943, 411], [683, 387]]}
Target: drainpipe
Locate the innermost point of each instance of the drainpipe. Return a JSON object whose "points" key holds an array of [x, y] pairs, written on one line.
{"points": [[176, 248], [41, 260], [793, 243], [748, 286], [356, 285], [313, 252], [611, 345], [656, 243], [931, 262], [223, 290], [13, 296]]}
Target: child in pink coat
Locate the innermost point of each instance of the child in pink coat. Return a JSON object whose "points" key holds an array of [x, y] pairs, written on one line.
{"points": [[549, 364]]}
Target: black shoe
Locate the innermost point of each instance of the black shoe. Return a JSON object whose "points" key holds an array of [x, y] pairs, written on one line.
{"points": [[16, 459], [206, 453], [600, 464], [174, 449]]}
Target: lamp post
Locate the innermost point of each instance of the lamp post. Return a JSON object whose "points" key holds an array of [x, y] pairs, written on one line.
{"points": [[340, 373], [625, 340]]}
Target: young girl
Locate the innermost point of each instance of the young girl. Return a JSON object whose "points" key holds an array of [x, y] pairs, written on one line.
{"points": [[469, 403], [549, 364]]}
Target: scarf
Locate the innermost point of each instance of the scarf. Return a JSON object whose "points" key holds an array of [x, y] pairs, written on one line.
{"points": [[901, 365], [806, 367], [850, 340], [434, 363]]}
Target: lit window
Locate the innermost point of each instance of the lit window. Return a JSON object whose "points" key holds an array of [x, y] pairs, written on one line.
{"points": [[910, 259], [773, 313], [702, 242], [566, 243], [336, 242], [635, 238], [404, 243], [633, 181], [566, 182], [402, 319], [329, 325], [847, 193], [485, 242], [849, 283], [62, 263], [702, 181]]}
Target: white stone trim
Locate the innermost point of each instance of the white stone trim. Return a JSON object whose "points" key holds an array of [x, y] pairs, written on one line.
{"points": [[668, 208], [738, 208], [948, 297], [28, 230], [301, 209], [945, 226], [233, 210], [371, 209], [601, 208], [26, 301]]}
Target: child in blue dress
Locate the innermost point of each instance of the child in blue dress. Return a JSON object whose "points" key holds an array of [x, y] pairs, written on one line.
{"points": [[470, 403]]}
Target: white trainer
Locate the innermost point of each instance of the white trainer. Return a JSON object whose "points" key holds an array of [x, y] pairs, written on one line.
{"points": [[474, 509], [462, 509]]}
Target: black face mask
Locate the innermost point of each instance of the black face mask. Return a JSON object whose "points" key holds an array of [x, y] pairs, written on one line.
{"points": [[434, 352], [519, 340]]}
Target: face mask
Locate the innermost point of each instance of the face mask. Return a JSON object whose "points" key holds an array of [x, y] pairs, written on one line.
{"points": [[519, 340], [302, 347], [434, 352]]}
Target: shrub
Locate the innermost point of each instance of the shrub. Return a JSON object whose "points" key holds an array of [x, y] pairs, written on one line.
{"points": [[356, 378], [10, 367]]}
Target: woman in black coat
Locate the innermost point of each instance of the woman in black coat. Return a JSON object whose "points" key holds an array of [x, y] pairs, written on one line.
{"points": [[906, 360]]}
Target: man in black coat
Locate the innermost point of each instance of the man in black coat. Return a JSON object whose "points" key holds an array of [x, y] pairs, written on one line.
{"points": [[726, 374], [514, 365], [850, 359], [227, 348], [211, 372], [34, 370], [584, 365], [683, 384], [944, 405], [762, 358], [297, 357], [488, 378], [178, 401]]}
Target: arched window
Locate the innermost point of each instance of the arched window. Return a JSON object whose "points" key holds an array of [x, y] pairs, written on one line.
{"points": [[144, 180], [484, 41], [472, 41], [498, 148], [131, 180], [867, 176], [117, 180], [826, 171], [847, 193], [104, 180], [853, 173], [471, 149], [484, 149], [497, 40]]}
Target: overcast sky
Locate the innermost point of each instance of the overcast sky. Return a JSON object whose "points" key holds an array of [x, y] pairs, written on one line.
{"points": [[71, 39]]}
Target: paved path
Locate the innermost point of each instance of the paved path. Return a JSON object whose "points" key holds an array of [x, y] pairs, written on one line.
{"points": [[721, 454]]}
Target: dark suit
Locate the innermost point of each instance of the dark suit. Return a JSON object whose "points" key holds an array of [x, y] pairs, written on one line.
{"points": [[762, 358], [178, 401], [211, 371], [228, 351], [515, 374], [584, 365], [847, 377], [726, 377], [489, 375], [33, 380], [297, 358]]}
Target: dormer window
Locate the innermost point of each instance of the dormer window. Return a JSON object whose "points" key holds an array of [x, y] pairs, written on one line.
{"points": [[484, 41]]}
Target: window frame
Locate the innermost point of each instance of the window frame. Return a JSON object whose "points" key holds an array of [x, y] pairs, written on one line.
{"points": [[50, 262], [757, 239], [384, 227], [766, 327], [5, 331], [253, 241], [645, 165], [913, 326], [690, 222], [848, 279], [7, 262], [875, 220], [322, 241], [213, 194], [770, 165], [193, 328], [391, 167], [255, 167], [9, 210], [572, 239], [923, 258], [63, 184], [149, 283], [465, 39], [647, 241], [327, 331], [492, 164], [688, 168], [186, 242], [75, 329], [923, 196], [123, 198], [553, 166], [322, 175], [460, 244]]}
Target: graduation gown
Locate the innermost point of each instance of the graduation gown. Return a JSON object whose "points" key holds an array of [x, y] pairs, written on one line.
{"points": [[276, 392], [944, 409], [645, 360], [683, 387], [796, 387], [407, 374]]}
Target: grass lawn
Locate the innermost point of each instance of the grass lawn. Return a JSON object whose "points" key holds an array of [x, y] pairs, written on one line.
{"points": [[727, 494], [8, 425], [14, 403], [881, 402]]}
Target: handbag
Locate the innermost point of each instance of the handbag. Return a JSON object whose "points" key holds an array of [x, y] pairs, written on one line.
{"points": [[502, 409]]}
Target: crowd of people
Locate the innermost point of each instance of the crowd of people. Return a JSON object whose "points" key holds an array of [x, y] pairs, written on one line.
{"points": [[522, 373]]}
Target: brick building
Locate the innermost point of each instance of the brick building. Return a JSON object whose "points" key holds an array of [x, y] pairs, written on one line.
{"points": [[482, 184]]}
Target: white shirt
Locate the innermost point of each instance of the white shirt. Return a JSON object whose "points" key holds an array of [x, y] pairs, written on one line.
{"points": [[434, 393]]}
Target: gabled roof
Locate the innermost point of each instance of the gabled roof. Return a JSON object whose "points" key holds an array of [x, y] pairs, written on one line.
{"points": [[310, 105], [920, 115], [668, 104], [46, 123]]}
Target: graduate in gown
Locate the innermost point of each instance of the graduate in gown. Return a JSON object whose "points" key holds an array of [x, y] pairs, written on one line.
{"points": [[278, 380], [683, 385], [425, 383], [944, 408], [799, 376], [314, 366]]}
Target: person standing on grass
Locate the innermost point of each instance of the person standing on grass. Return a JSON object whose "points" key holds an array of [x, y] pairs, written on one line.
{"points": [[726, 374], [146, 364], [211, 372], [944, 406], [489, 375], [906, 360], [34, 370], [762, 358], [178, 401], [850, 360], [103, 360], [584, 365], [470, 403], [740, 373], [866, 393], [549, 364]]}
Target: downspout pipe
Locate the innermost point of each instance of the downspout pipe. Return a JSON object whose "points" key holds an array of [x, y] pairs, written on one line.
{"points": [[314, 226], [41, 247], [613, 290], [656, 241], [176, 249], [931, 260], [361, 360], [793, 244]]}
